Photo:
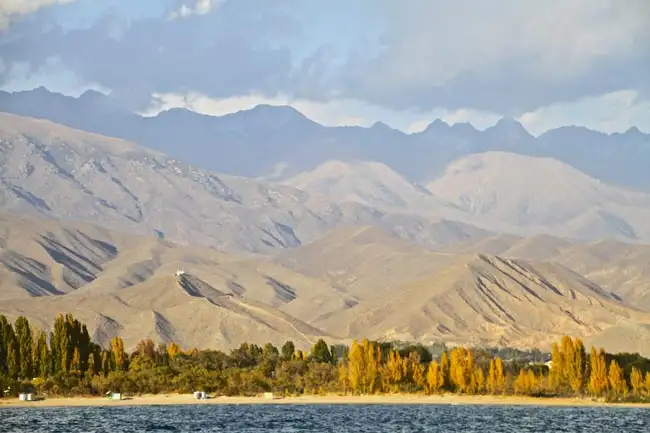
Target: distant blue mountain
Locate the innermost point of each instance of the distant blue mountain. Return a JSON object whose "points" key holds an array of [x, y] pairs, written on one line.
{"points": [[252, 142]]}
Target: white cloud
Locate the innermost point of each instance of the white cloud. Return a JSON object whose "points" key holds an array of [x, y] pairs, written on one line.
{"points": [[201, 7], [9, 9], [440, 39], [508, 55], [612, 112]]}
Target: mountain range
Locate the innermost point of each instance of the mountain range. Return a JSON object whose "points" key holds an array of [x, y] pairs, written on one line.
{"points": [[278, 141], [50, 170], [492, 247]]}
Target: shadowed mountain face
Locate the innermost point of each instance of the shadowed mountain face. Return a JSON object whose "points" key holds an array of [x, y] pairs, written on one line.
{"points": [[257, 142]]}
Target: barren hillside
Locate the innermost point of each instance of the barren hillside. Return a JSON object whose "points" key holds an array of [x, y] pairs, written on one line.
{"points": [[486, 300], [352, 283], [53, 171]]}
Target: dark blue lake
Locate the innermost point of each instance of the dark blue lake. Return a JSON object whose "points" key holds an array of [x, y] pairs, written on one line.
{"points": [[324, 418]]}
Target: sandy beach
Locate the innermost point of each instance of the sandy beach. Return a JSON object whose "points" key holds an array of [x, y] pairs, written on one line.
{"points": [[180, 399]]}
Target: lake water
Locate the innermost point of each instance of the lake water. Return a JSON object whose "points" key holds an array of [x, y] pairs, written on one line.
{"points": [[324, 418]]}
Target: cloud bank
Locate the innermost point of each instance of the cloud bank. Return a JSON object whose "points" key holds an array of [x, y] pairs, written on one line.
{"points": [[503, 57]]}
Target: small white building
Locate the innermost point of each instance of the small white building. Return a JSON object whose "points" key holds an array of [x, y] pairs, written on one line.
{"points": [[200, 395], [269, 395]]}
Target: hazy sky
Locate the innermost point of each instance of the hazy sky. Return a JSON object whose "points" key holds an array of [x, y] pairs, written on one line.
{"points": [[404, 62]]}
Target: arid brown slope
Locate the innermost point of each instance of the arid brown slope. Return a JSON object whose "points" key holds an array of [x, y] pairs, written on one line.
{"points": [[127, 285], [619, 267], [363, 261], [172, 308], [489, 300], [352, 283]]}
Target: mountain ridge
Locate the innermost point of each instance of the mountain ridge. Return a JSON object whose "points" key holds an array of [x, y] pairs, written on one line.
{"points": [[303, 144], [54, 171]]}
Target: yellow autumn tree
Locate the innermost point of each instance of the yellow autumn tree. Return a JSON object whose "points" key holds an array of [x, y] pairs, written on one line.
{"points": [[372, 362], [416, 370], [526, 383], [117, 350], [566, 346], [457, 376], [556, 374], [344, 377], [636, 381], [577, 366], [478, 381], [394, 371], [500, 375], [435, 380], [646, 383], [496, 378], [617, 382], [356, 367], [598, 379], [173, 350], [75, 364], [462, 370], [520, 385], [444, 370]]}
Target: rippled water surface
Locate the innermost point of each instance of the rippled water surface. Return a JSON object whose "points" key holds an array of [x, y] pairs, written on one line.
{"points": [[324, 418]]}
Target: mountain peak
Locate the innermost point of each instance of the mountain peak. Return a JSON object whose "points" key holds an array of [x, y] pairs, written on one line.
{"points": [[634, 132], [380, 126], [274, 116], [274, 110], [92, 95], [437, 126], [509, 126]]}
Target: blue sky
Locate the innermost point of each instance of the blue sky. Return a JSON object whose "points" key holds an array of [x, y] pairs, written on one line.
{"points": [[405, 63]]}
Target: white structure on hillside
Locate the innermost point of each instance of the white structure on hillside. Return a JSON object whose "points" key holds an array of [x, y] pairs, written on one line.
{"points": [[180, 272]]}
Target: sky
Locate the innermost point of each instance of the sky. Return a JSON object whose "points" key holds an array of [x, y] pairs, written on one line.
{"points": [[345, 62]]}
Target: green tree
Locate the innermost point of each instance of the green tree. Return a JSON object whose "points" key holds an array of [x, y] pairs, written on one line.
{"points": [[25, 340], [13, 359], [42, 358], [288, 350], [59, 345], [320, 352], [6, 333]]}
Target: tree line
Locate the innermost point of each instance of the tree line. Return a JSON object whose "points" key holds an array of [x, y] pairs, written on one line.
{"points": [[66, 361]]}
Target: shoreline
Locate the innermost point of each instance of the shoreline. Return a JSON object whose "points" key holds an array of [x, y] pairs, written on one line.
{"points": [[188, 399]]}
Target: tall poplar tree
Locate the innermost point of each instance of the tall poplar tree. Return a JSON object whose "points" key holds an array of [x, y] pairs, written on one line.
{"points": [[617, 380], [6, 333], [42, 357], [636, 381], [578, 367], [119, 356], [598, 379], [435, 381], [24, 340]]}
